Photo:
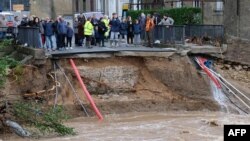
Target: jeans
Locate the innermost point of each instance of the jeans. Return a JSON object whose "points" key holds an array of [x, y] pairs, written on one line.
{"points": [[49, 42], [114, 38], [137, 39], [69, 41]]}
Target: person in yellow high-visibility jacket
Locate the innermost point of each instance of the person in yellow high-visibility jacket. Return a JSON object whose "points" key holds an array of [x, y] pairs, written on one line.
{"points": [[88, 32], [106, 22]]}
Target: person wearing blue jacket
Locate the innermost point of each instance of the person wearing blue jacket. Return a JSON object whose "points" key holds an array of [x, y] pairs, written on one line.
{"points": [[62, 32], [48, 32], [115, 29], [124, 30], [137, 32], [70, 34]]}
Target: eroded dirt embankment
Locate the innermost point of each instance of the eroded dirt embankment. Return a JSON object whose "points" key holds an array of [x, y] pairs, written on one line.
{"points": [[120, 85]]}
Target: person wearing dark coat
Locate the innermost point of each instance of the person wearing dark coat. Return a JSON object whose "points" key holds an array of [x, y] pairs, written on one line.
{"points": [[130, 30], [70, 34], [80, 27], [62, 32], [124, 30], [115, 30], [137, 32], [48, 32], [101, 31]]}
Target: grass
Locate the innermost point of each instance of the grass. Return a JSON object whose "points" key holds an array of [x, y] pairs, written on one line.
{"points": [[46, 120]]}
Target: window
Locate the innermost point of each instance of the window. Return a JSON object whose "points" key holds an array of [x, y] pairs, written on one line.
{"points": [[179, 4], [196, 3], [219, 5]]}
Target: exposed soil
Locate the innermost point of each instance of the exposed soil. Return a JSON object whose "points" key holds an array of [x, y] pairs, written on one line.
{"points": [[162, 85]]}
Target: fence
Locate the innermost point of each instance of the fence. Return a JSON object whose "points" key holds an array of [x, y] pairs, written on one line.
{"points": [[29, 36], [7, 32], [169, 34], [211, 31]]}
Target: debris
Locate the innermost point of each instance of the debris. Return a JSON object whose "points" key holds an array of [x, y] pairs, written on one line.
{"points": [[17, 128]]}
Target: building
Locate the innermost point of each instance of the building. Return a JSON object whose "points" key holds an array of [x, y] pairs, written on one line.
{"points": [[7, 5], [236, 18]]}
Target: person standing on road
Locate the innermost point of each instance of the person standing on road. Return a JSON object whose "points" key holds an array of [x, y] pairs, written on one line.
{"points": [[142, 21], [124, 30], [80, 27], [36, 23], [62, 32], [88, 32], [115, 29], [101, 30], [130, 31], [137, 33], [70, 34], [76, 31], [48, 32], [106, 21], [149, 29], [166, 21]]}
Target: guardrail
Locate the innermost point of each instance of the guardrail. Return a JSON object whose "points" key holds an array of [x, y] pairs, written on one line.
{"points": [[29, 36], [169, 34], [211, 31], [7, 32]]}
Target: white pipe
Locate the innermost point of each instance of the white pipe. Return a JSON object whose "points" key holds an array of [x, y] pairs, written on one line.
{"points": [[10, 5], [218, 76]]}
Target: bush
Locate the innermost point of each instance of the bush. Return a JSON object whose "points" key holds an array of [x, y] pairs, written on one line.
{"points": [[6, 63], [181, 16], [44, 119]]}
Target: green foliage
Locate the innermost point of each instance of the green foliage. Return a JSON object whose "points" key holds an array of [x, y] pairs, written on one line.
{"points": [[5, 43], [6, 63], [181, 16], [46, 120]]}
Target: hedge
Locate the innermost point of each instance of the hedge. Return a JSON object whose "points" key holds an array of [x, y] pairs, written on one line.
{"points": [[181, 16]]}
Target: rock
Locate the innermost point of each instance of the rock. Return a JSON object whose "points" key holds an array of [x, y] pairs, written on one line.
{"points": [[238, 68], [245, 67]]}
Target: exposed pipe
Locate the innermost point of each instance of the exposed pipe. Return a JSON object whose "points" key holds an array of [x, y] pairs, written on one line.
{"points": [[99, 115], [218, 78], [201, 61]]}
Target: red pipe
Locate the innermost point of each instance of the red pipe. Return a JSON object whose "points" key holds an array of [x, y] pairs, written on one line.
{"points": [[205, 69], [86, 92]]}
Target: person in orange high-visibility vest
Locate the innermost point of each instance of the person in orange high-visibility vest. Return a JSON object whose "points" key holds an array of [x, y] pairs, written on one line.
{"points": [[149, 29]]}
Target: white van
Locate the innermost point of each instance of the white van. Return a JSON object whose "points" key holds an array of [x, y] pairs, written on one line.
{"points": [[90, 14], [9, 18]]}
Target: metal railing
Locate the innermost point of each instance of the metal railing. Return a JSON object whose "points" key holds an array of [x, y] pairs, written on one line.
{"points": [[211, 31], [7, 32], [29, 36], [169, 34]]}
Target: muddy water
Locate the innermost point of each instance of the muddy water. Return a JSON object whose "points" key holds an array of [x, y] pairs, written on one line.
{"points": [[172, 126]]}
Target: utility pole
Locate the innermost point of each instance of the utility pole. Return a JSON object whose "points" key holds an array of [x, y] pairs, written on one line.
{"points": [[10, 5]]}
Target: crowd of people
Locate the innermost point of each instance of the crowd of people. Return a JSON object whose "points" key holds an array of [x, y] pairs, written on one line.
{"points": [[90, 31]]}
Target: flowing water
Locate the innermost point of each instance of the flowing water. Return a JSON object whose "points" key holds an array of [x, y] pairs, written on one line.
{"points": [[171, 126]]}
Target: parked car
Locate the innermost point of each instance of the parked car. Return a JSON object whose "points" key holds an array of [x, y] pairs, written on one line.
{"points": [[90, 14], [9, 18]]}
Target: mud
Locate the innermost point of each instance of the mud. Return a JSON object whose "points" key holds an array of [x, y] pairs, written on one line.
{"points": [[151, 126]]}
